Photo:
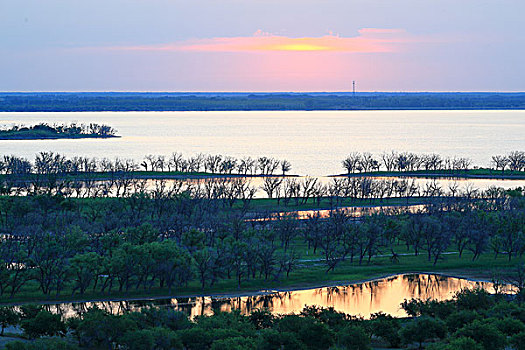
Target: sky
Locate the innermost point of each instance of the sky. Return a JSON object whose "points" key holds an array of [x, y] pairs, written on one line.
{"points": [[262, 45]]}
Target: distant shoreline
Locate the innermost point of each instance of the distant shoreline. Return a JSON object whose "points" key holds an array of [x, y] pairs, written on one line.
{"points": [[312, 101]]}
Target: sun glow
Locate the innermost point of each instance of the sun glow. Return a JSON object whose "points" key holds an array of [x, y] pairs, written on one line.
{"points": [[297, 47], [369, 40]]}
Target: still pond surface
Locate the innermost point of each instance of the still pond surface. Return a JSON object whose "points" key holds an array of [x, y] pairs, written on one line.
{"points": [[363, 299]]}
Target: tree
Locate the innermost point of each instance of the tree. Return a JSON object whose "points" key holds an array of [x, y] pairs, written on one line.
{"points": [[98, 329], [354, 337], [351, 162], [44, 324], [8, 317], [85, 269], [311, 333], [422, 329], [285, 166], [484, 333]]}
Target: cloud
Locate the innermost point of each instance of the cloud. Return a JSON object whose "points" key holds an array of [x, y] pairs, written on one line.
{"points": [[369, 40]]}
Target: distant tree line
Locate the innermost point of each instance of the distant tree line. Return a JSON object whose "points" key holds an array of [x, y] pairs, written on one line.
{"points": [[216, 164], [50, 162], [357, 162], [70, 102], [82, 177]]}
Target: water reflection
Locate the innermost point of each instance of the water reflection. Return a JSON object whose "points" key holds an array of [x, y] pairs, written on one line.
{"points": [[363, 299]]}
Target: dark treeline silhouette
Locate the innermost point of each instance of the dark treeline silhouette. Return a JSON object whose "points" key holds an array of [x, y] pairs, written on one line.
{"points": [[47, 131], [82, 177], [473, 319], [357, 162], [50, 162], [53, 245], [66, 102]]}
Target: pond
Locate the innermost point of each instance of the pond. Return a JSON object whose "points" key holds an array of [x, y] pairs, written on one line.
{"points": [[363, 298]]}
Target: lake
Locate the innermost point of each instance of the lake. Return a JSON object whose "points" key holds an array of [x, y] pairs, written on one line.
{"points": [[314, 142], [365, 298]]}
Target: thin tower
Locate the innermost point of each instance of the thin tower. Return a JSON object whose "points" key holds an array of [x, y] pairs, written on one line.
{"points": [[353, 87]]}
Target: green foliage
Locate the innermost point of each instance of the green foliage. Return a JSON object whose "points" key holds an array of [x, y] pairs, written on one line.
{"points": [[509, 326], [262, 318], [43, 324], [42, 344], [423, 329], [483, 333], [272, 339], [518, 341], [8, 317], [386, 327], [151, 339], [195, 339], [100, 329], [354, 337], [234, 343], [458, 319], [29, 311], [312, 334], [461, 343], [473, 299]]}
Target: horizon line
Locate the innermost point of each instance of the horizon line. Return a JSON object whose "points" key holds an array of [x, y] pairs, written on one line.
{"points": [[260, 91]]}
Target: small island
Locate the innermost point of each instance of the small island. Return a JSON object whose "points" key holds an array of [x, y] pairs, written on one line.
{"points": [[43, 131]]}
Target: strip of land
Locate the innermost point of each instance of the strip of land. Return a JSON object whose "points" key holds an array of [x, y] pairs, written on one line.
{"points": [[481, 173], [170, 101]]}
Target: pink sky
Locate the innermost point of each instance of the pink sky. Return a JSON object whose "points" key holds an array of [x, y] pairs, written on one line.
{"points": [[262, 45]]}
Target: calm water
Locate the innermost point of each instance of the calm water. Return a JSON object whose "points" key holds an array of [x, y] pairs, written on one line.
{"points": [[314, 142], [357, 299]]}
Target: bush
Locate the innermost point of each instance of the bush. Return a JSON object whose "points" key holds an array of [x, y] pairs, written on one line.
{"points": [[195, 339], [261, 318], [98, 329], [518, 341], [311, 333], [42, 344], [473, 299], [235, 343], [509, 326], [459, 319], [483, 333], [271, 339], [8, 317], [457, 344], [422, 329], [354, 337], [44, 323], [386, 327]]}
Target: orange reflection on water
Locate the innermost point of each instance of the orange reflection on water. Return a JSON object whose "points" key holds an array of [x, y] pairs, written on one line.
{"points": [[362, 299]]}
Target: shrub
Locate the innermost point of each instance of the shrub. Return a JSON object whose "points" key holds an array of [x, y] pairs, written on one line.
{"points": [[44, 323], [483, 333], [354, 337]]}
